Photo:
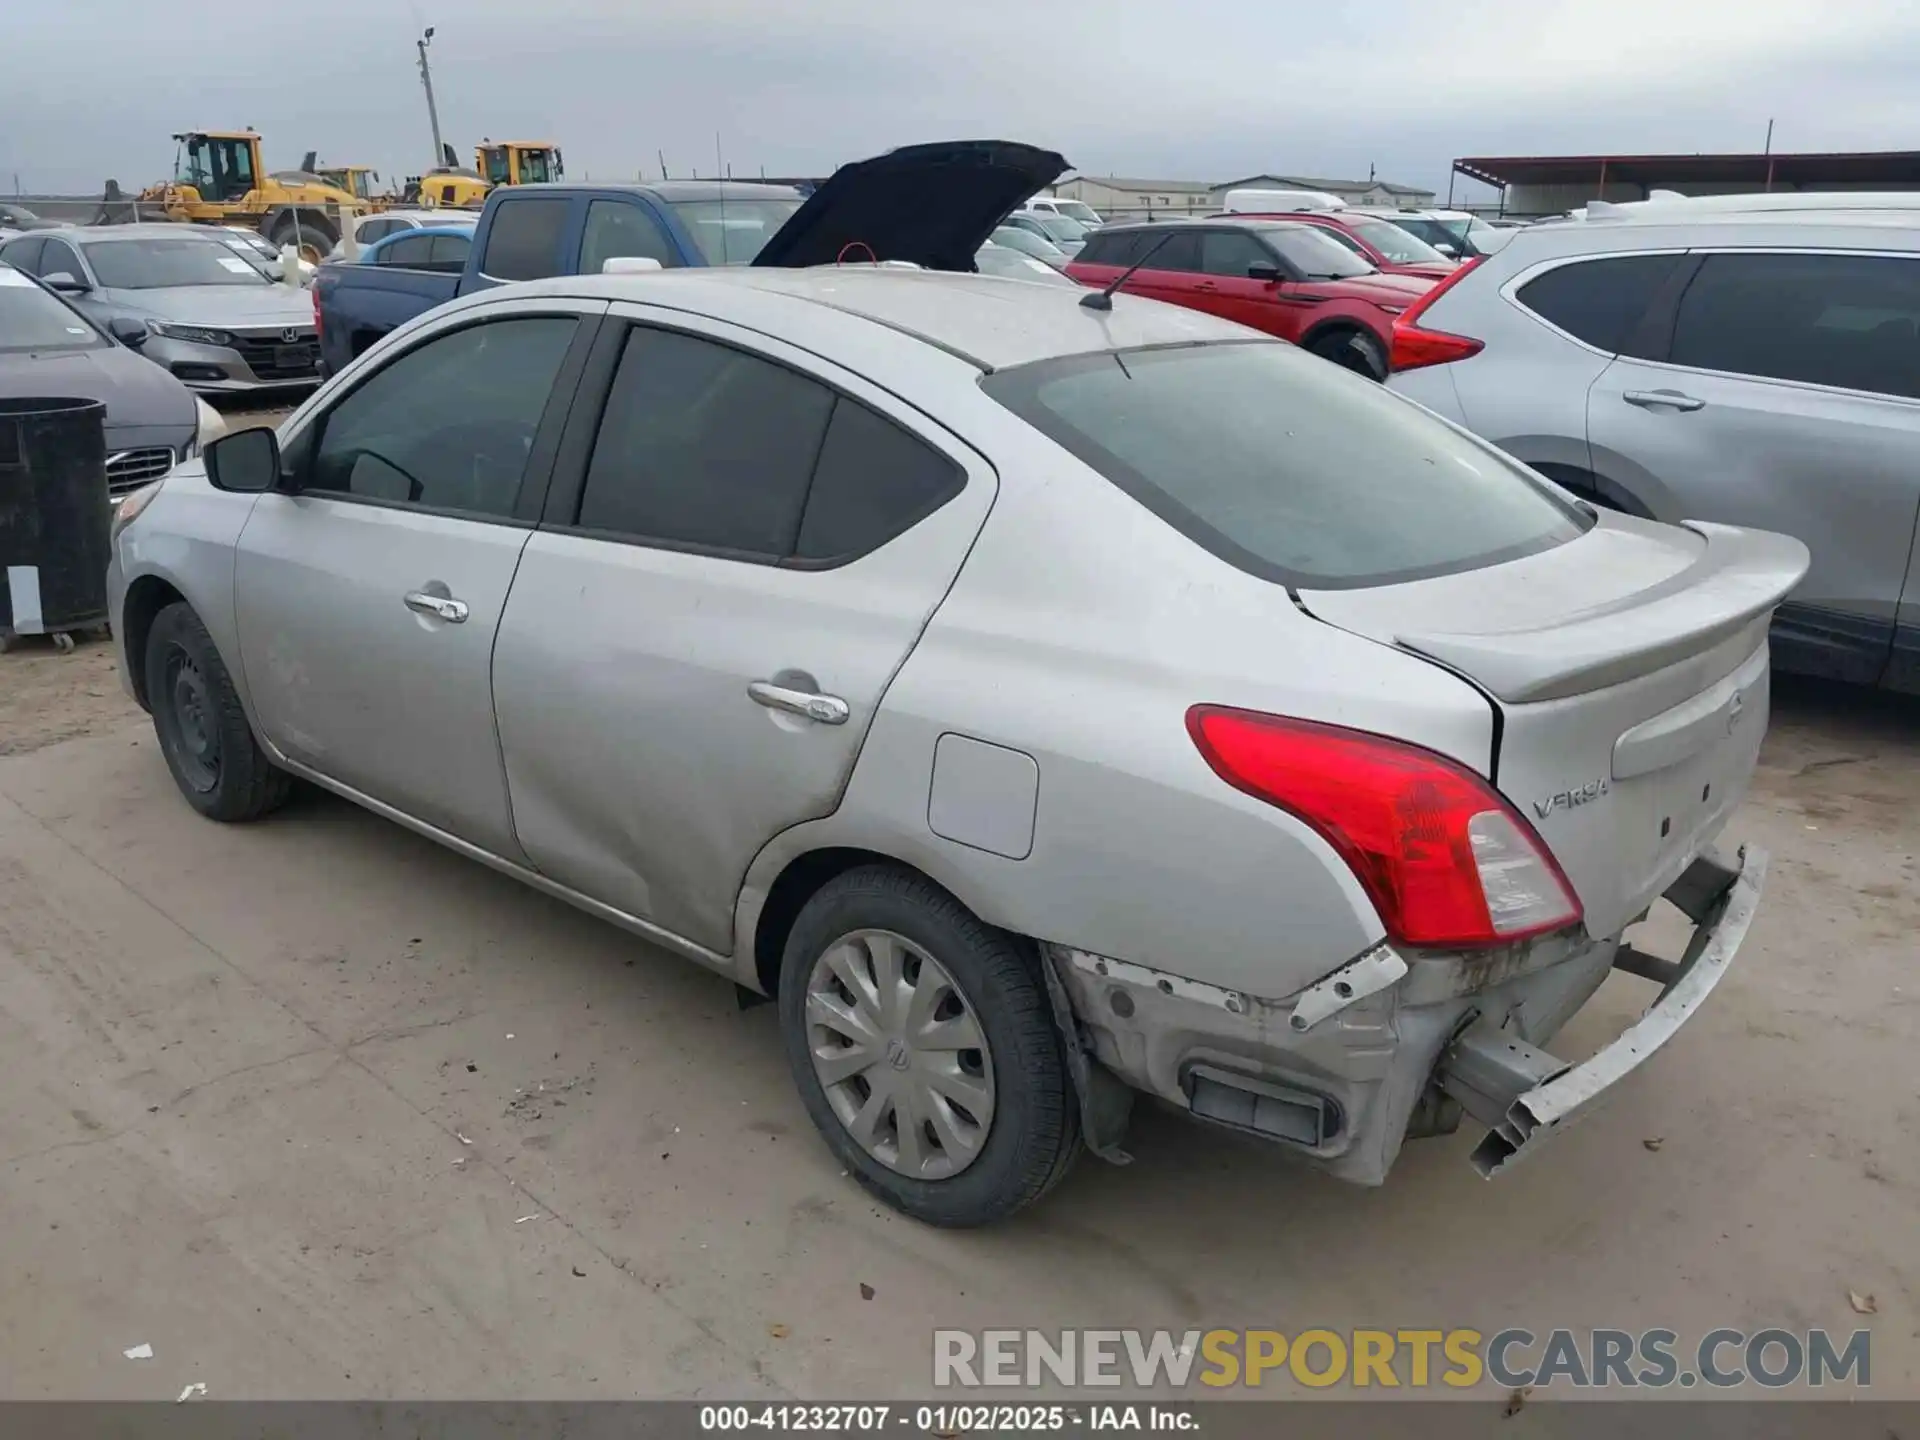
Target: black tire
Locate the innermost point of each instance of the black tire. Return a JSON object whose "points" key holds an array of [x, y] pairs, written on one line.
{"points": [[1035, 1133], [1353, 350], [203, 730], [312, 232]]}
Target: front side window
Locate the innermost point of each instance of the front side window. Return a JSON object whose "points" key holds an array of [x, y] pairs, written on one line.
{"points": [[164, 262], [1286, 467], [617, 229], [448, 425], [1315, 254], [1231, 253], [1599, 301], [1851, 321], [524, 240], [58, 259]]}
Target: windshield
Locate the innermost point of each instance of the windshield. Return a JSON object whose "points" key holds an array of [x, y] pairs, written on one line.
{"points": [[1059, 227], [1287, 467], [1013, 265], [1316, 254], [732, 232], [1078, 210], [1025, 241], [31, 319], [163, 262], [1398, 245], [1434, 232]]}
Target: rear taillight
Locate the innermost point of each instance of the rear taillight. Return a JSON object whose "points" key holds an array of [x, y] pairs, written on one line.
{"points": [[316, 315], [1446, 861], [1414, 345]]}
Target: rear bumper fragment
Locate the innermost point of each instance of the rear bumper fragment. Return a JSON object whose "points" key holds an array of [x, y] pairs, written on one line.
{"points": [[1525, 1095]]}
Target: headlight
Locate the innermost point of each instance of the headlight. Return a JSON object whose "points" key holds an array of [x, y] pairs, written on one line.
{"points": [[193, 334], [130, 506]]}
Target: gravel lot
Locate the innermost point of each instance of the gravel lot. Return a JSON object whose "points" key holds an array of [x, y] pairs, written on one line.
{"points": [[317, 1109]]}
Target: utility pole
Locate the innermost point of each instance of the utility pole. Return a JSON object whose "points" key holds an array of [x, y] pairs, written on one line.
{"points": [[433, 115]]}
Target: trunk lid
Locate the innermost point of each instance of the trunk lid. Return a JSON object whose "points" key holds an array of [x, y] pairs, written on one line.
{"points": [[1629, 671], [934, 205]]}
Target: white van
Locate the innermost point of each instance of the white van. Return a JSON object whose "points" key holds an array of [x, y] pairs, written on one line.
{"points": [[1072, 209], [1280, 202]]}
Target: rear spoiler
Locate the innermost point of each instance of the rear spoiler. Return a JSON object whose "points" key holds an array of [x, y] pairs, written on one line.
{"points": [[1740, 576]]}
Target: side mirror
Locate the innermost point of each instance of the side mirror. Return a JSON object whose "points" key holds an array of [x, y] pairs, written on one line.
{"points": [[128, 331], [66, 284], [1270, 273], [246, 462]]}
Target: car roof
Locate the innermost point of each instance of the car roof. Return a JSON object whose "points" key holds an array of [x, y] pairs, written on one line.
{"points": [[88, 234], [990, 322], [672, 191]]}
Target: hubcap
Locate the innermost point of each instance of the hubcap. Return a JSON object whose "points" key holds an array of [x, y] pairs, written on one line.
{"points": [[197, 734], [900, 1054]]}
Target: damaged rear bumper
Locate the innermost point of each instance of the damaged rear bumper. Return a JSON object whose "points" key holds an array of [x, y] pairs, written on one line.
{"points": [[1393, 1044], [1526, 1096]]}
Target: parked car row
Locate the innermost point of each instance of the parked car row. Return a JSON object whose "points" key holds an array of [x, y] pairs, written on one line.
{"points": [[1045, 695], [184, 296]]}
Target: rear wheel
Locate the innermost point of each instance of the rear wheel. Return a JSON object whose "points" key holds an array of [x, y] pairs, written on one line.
{"points": [[202, 728], [313, 234], [1353, 350], [924, 1049]]}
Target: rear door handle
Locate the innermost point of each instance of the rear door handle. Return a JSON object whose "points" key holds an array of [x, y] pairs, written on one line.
{"points": [[1668, 399], [827, 709], [444, 606], [1206, 285]]}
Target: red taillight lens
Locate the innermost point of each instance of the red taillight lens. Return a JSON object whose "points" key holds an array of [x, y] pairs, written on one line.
{"points": [[1446, 861], [1414, 345], [316, 315]]}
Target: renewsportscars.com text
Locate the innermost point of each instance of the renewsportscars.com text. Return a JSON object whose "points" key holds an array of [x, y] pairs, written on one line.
{"points": [[1396, 1359]]}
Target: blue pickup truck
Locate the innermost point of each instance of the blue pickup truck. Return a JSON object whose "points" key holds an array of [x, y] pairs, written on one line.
{"points": [[531, 232]]}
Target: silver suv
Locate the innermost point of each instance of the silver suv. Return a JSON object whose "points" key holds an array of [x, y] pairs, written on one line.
{"points": [[1750, 361]]}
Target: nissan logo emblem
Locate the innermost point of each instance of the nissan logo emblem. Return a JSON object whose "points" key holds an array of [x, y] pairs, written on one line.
{"points": [[290, 335]]}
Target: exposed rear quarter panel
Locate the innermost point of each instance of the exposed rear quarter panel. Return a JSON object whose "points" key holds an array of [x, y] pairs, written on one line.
{"points": [[1079, 632]]}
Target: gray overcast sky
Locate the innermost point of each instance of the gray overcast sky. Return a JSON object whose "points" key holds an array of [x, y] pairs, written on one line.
{"points": [[1209, 89]]}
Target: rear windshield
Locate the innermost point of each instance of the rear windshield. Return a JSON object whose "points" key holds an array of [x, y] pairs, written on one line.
{"points": [[1286, 466], [731, 232]]}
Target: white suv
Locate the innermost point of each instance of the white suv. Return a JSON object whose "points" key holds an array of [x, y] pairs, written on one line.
{"points": [[1751, 361]]}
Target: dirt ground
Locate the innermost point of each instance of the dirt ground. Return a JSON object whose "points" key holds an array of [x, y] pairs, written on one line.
{"points": [[317, 1109]]}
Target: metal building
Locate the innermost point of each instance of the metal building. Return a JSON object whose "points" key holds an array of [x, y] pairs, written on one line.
{"points": [[1532, 186]]}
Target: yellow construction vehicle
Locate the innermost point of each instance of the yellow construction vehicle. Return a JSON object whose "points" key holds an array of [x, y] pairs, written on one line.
{"points": [[357, 180], [518, 162], [450, 189], [219, 180]]}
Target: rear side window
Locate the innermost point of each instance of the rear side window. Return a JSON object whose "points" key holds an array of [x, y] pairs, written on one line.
{"points": [[704, 446], [874, 481], [1600, 301], [449, 252], [1121, 247], [524, 240], [1846, 320], [1181, 251], [1287, 467]]}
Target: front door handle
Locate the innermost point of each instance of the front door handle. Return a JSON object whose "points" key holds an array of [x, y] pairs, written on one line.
{"points": [[827, 709], [444, 606], [1668, 399]]}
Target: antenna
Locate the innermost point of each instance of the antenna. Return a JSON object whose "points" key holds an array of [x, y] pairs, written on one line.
{"points": [[720, 173], [1103, 299], [663, 163]]}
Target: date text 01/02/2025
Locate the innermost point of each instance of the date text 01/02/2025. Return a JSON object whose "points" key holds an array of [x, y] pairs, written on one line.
{"points": [[942, 1420]]}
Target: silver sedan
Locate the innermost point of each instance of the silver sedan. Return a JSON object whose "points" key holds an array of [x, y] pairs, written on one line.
{"points": [[1047, 698], [194, 306]]}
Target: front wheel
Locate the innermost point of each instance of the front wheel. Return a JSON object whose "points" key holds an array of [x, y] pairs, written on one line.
{"points": [[924, 1048], [202, 728]]}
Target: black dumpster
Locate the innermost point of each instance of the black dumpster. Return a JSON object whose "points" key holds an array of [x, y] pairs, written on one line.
{"points": [[55, 518]]}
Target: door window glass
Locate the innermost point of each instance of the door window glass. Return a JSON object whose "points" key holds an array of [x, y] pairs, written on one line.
{"points": [[1599, 301], [705, 446], [1181, 252], [58, 259], [523, 242], [874, 481], [407, 250], [617, 229], [449, 252], [1230, 253], [448, 425], [1846, 320]]}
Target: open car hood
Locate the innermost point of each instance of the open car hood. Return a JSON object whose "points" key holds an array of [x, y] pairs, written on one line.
{"points": [[934, 205]]}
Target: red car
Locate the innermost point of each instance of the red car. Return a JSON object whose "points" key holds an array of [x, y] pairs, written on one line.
{"points": [[1385, 244], [1290, 279]]}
